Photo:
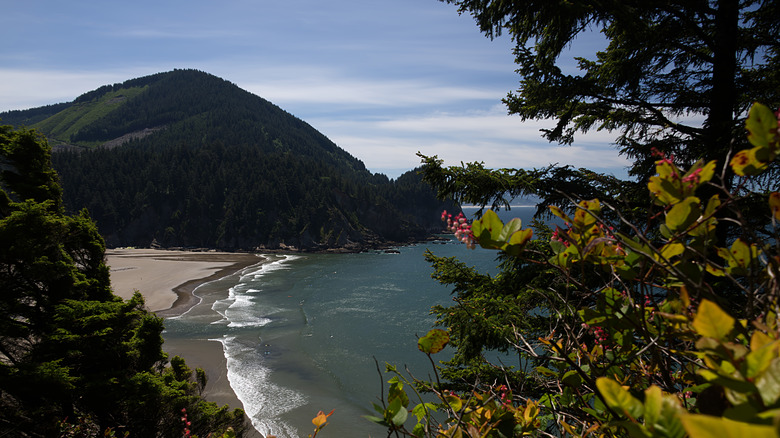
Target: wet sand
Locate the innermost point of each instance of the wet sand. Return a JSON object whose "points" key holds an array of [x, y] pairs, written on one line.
{"points": [[166, 279]]}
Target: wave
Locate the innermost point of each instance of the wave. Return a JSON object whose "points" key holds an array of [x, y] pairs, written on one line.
{"points": [[239, 309], [266, 268], [264, 402], [200, 298]]}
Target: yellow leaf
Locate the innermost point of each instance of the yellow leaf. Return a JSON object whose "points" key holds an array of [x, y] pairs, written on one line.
{"points": [[712, 322], [531, 411], [758, 360], [758, 339], [761, 125], [671, 250], [617, 398], [683, 214], [684, 297], [748, 162], [584, 216], [704, 426], [321, 419], [558, 212], [434, 341]]}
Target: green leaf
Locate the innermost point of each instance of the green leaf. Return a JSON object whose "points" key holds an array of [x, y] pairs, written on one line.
{"points": [[546, 371], [761, 125], [396, 413], [653, 404], [759, 359], [618, 398], [400, 417], [704, 426], [487, 230], [434, 341], [423, 409], [572, 378], [707, 171], [668, 423], [712, 205], [683, 214], [768, 383], [728, 382], [557, 246], [396, 392], [377, 420], [638, 247], [712, 322], [518, 240], [509, 228], [664, 191]]}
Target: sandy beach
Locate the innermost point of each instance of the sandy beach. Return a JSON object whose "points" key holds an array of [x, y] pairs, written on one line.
{"points": [[166, 279]]}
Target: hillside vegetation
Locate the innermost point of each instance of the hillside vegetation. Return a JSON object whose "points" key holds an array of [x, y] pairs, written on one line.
{"points": [[187, 159]]}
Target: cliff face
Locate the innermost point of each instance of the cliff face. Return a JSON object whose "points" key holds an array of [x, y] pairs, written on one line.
{"points": [[185, 159]]}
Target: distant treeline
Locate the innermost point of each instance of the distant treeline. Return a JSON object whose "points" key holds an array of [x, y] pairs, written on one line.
{"points": [[238, 197]]}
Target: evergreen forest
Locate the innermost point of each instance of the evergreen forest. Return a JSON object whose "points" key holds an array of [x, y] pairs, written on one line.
{"points": [[76, 360], [185, 159]]}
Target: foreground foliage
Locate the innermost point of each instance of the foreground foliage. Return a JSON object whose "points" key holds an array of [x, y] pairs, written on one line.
{"points": [[653, 311], [75, 360], [650, 330]]}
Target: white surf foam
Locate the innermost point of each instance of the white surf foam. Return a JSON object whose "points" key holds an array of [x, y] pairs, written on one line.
{"points": [[264, 402]]}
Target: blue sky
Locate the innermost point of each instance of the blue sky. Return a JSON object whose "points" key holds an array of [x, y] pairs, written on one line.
{"points": [[383, 79]]}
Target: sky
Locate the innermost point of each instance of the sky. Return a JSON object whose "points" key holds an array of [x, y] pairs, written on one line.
{"points": [[383, 79]]}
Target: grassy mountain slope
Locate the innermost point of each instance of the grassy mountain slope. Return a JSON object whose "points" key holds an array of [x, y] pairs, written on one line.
{"points": [[184, 158]]}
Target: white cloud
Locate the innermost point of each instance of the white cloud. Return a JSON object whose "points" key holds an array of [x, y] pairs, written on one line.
{"points": [[490, 136], [314, 86], [23, 89]]}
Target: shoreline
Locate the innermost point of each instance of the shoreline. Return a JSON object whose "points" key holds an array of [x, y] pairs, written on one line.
{"points": [[185, 297], [167, 280]]}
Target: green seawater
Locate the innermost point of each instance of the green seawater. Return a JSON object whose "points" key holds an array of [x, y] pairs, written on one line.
{"points": [[304, 332]]}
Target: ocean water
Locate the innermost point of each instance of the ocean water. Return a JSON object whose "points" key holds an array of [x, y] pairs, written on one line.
{"points": [[304, 333]]}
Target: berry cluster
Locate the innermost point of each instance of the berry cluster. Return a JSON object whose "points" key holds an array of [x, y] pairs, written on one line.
{"points": [[460, 226], [186, 422]]}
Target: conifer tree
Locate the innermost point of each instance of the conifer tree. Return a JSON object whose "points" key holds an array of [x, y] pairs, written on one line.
{"points": [[674, 75], [74, 358]]}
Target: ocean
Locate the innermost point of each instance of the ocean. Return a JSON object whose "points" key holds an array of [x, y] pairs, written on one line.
{"points": [[304, 332]]}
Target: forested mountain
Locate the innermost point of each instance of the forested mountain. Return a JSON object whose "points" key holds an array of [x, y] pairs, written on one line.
{"points": [[184, 158]]}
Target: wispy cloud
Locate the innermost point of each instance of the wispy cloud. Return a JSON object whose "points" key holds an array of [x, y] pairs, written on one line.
{"points": [[323, 88], [491, 137]]}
